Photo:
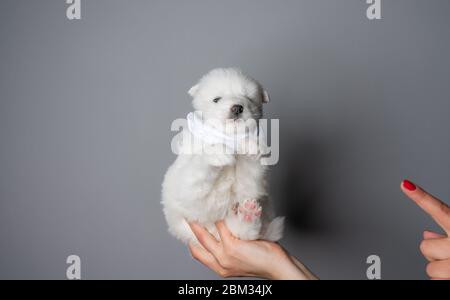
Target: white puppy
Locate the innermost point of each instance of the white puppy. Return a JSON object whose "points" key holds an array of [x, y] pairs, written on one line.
{"points": [[221, 181]]}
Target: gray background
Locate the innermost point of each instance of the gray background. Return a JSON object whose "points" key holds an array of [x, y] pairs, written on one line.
{"points": [[86, 106]]}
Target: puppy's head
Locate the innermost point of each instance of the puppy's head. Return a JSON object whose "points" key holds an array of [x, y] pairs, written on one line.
{"points": [[225, 94]]}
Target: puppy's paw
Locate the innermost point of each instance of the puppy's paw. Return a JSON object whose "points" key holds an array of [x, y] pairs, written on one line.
{"points": [[244, 221], [218, 156], [250, 211], [249, 148]]}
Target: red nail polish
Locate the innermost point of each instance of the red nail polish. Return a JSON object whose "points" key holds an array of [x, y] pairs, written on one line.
{"points": [[409, 185]]}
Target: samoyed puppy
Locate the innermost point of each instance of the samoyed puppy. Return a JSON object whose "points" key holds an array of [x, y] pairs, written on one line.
{"points": [[218, 174]]}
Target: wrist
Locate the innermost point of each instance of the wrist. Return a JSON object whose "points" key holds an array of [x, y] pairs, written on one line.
{"points": [[286, 269]]}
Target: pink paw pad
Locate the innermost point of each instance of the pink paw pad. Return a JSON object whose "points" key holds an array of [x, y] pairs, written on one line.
{"points": [[250, 210]]}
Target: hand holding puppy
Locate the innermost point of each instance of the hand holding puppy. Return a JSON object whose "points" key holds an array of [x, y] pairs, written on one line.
{"points": [[232, 257]]}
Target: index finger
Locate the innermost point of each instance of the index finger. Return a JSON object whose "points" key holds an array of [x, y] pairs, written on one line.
{"points": [[437, 209]]}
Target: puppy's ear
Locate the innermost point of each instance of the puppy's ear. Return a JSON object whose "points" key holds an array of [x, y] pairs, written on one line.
{"points": [[265, 96], [193, 90]]}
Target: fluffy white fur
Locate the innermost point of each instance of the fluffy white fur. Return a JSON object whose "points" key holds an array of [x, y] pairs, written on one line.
{"points": [[209, 187]]}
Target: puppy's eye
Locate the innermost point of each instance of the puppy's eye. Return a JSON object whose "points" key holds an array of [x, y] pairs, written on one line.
{"points": [[217, 99]]}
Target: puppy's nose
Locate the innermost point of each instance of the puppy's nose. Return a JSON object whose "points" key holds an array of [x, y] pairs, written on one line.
{"points": [[237, 109]]}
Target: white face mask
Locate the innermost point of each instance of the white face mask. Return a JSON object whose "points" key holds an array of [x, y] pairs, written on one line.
{"points": [[211, 135]]}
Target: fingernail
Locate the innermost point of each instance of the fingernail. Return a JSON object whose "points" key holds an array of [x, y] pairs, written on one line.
{"points": [[409, 185]]}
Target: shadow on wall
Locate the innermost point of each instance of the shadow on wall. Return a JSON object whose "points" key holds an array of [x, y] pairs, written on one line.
{"points": [[300, 184], [318, 132]]}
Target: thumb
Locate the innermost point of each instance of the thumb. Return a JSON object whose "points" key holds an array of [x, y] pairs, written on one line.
{"points": [[430, 235]]}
